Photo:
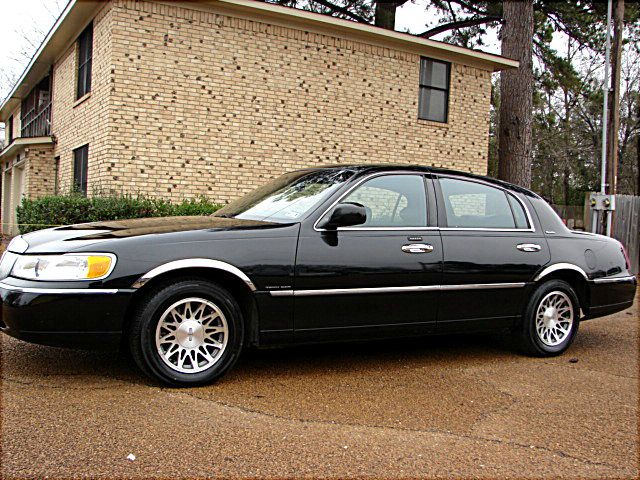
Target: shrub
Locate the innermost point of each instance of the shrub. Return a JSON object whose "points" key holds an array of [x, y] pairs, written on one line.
{"points": [[54, 210]]}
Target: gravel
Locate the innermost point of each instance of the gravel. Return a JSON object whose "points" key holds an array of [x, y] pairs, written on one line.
{"points": [[465, 406]]}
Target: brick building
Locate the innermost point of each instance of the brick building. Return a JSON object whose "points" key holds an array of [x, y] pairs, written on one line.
{"points": [[179, 99]]}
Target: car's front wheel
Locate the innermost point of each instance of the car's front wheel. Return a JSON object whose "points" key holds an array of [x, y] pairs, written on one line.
{"points": [[187, 332], [550, 321]]}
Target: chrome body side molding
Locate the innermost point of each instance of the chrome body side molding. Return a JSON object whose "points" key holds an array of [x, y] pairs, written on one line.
{"points": [[560, 266], [413, 288], [482, 286], [627, 279], [62, 291], [195, 263]]}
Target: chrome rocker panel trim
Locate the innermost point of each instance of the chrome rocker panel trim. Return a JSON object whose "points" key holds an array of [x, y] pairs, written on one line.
{"points": [[194, 263], [413, 288]]}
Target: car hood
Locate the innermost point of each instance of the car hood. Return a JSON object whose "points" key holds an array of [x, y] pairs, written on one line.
{"points": [[70, 237]]}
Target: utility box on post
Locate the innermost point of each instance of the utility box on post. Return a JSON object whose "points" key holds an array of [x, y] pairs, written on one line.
{"points": [[602, 202]]}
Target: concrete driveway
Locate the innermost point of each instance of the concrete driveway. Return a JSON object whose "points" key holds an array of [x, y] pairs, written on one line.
{"points": [[441, 407]]}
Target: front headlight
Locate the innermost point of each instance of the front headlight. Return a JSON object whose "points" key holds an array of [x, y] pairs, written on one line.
{"points": [[18, 245], [93, 266]]}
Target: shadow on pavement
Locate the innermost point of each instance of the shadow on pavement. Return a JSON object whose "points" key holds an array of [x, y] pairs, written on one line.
{"points": [[37, 360]]}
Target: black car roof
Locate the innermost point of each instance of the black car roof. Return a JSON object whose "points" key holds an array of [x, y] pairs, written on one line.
{"points": [[373, 168]]}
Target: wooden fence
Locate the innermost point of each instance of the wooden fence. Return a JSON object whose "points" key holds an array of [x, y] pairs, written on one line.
{"points": [[626, 224], [571, 215]]}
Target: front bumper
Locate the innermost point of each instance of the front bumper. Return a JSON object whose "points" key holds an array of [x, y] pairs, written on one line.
{"points": [[64, 317]]}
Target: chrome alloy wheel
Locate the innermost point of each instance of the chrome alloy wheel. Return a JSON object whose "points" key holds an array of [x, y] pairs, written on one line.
{"points": [[192, 335], [554, 318]]}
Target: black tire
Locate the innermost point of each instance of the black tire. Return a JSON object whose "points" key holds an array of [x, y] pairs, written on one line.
{"points": [[149, 311], [529, 340]]}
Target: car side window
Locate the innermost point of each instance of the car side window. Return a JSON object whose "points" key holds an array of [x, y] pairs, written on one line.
{"points": [[392, 201], [474, 205], [518, 212]]}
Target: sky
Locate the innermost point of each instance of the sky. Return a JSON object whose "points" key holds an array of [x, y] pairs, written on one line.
{"points": [[22, 19], [411, 17]]}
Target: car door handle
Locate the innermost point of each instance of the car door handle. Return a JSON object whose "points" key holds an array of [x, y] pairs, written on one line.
{"points": [[417, 248], [528, 247]]}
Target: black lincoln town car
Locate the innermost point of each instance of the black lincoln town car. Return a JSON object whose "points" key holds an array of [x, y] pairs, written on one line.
{"points": [[324, 254]]}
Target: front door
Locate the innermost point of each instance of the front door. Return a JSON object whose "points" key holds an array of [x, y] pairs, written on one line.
{"points": [[376, 279], [492, 249]]}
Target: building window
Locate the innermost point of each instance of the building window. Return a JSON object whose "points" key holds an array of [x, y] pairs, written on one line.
{"points": [[434, 90], [9, 133], [56, 171], [35, 111], [85, 56], [80, 164]]}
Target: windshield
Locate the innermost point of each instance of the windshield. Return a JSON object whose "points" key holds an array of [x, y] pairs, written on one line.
{"points": [[288, 198]]}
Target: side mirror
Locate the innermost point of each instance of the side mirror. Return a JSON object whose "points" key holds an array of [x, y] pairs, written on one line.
{"points": [[345, 215]]}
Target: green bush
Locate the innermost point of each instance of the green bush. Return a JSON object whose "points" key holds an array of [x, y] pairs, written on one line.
{"points": [[54, 210]]}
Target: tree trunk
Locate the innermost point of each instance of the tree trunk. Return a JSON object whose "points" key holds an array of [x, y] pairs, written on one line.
{"points": [[566, 185], [614, 98], [638, 149], [516, 94], [385, 15]]}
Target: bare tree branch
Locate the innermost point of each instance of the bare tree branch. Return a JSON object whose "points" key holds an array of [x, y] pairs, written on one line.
{"points": [[470, 6], [343, 10]]}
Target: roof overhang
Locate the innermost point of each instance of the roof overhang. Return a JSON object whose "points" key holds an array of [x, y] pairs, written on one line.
{"points": [[287, 16], [19, 144], [78, 13]]}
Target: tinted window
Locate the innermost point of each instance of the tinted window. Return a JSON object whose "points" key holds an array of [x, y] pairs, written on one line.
{"points": [[518, 212], [392, 201], [287, 198], [474, 205], [549, 219]]}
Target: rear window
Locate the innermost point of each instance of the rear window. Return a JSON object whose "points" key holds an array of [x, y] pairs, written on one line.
{"points": [[549, 219]]}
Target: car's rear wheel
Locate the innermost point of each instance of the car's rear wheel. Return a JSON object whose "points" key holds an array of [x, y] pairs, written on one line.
{"points": [[551, 319], [187, 332]]}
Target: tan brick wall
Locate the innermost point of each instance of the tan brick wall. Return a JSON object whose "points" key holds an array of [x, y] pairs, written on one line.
{"points": [[39, 176], [187, 102], [76, 123], [30, 172], [210, 104]]}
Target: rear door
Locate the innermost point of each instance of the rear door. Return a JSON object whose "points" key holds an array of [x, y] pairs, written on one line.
{"points": [[492, 248]]}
